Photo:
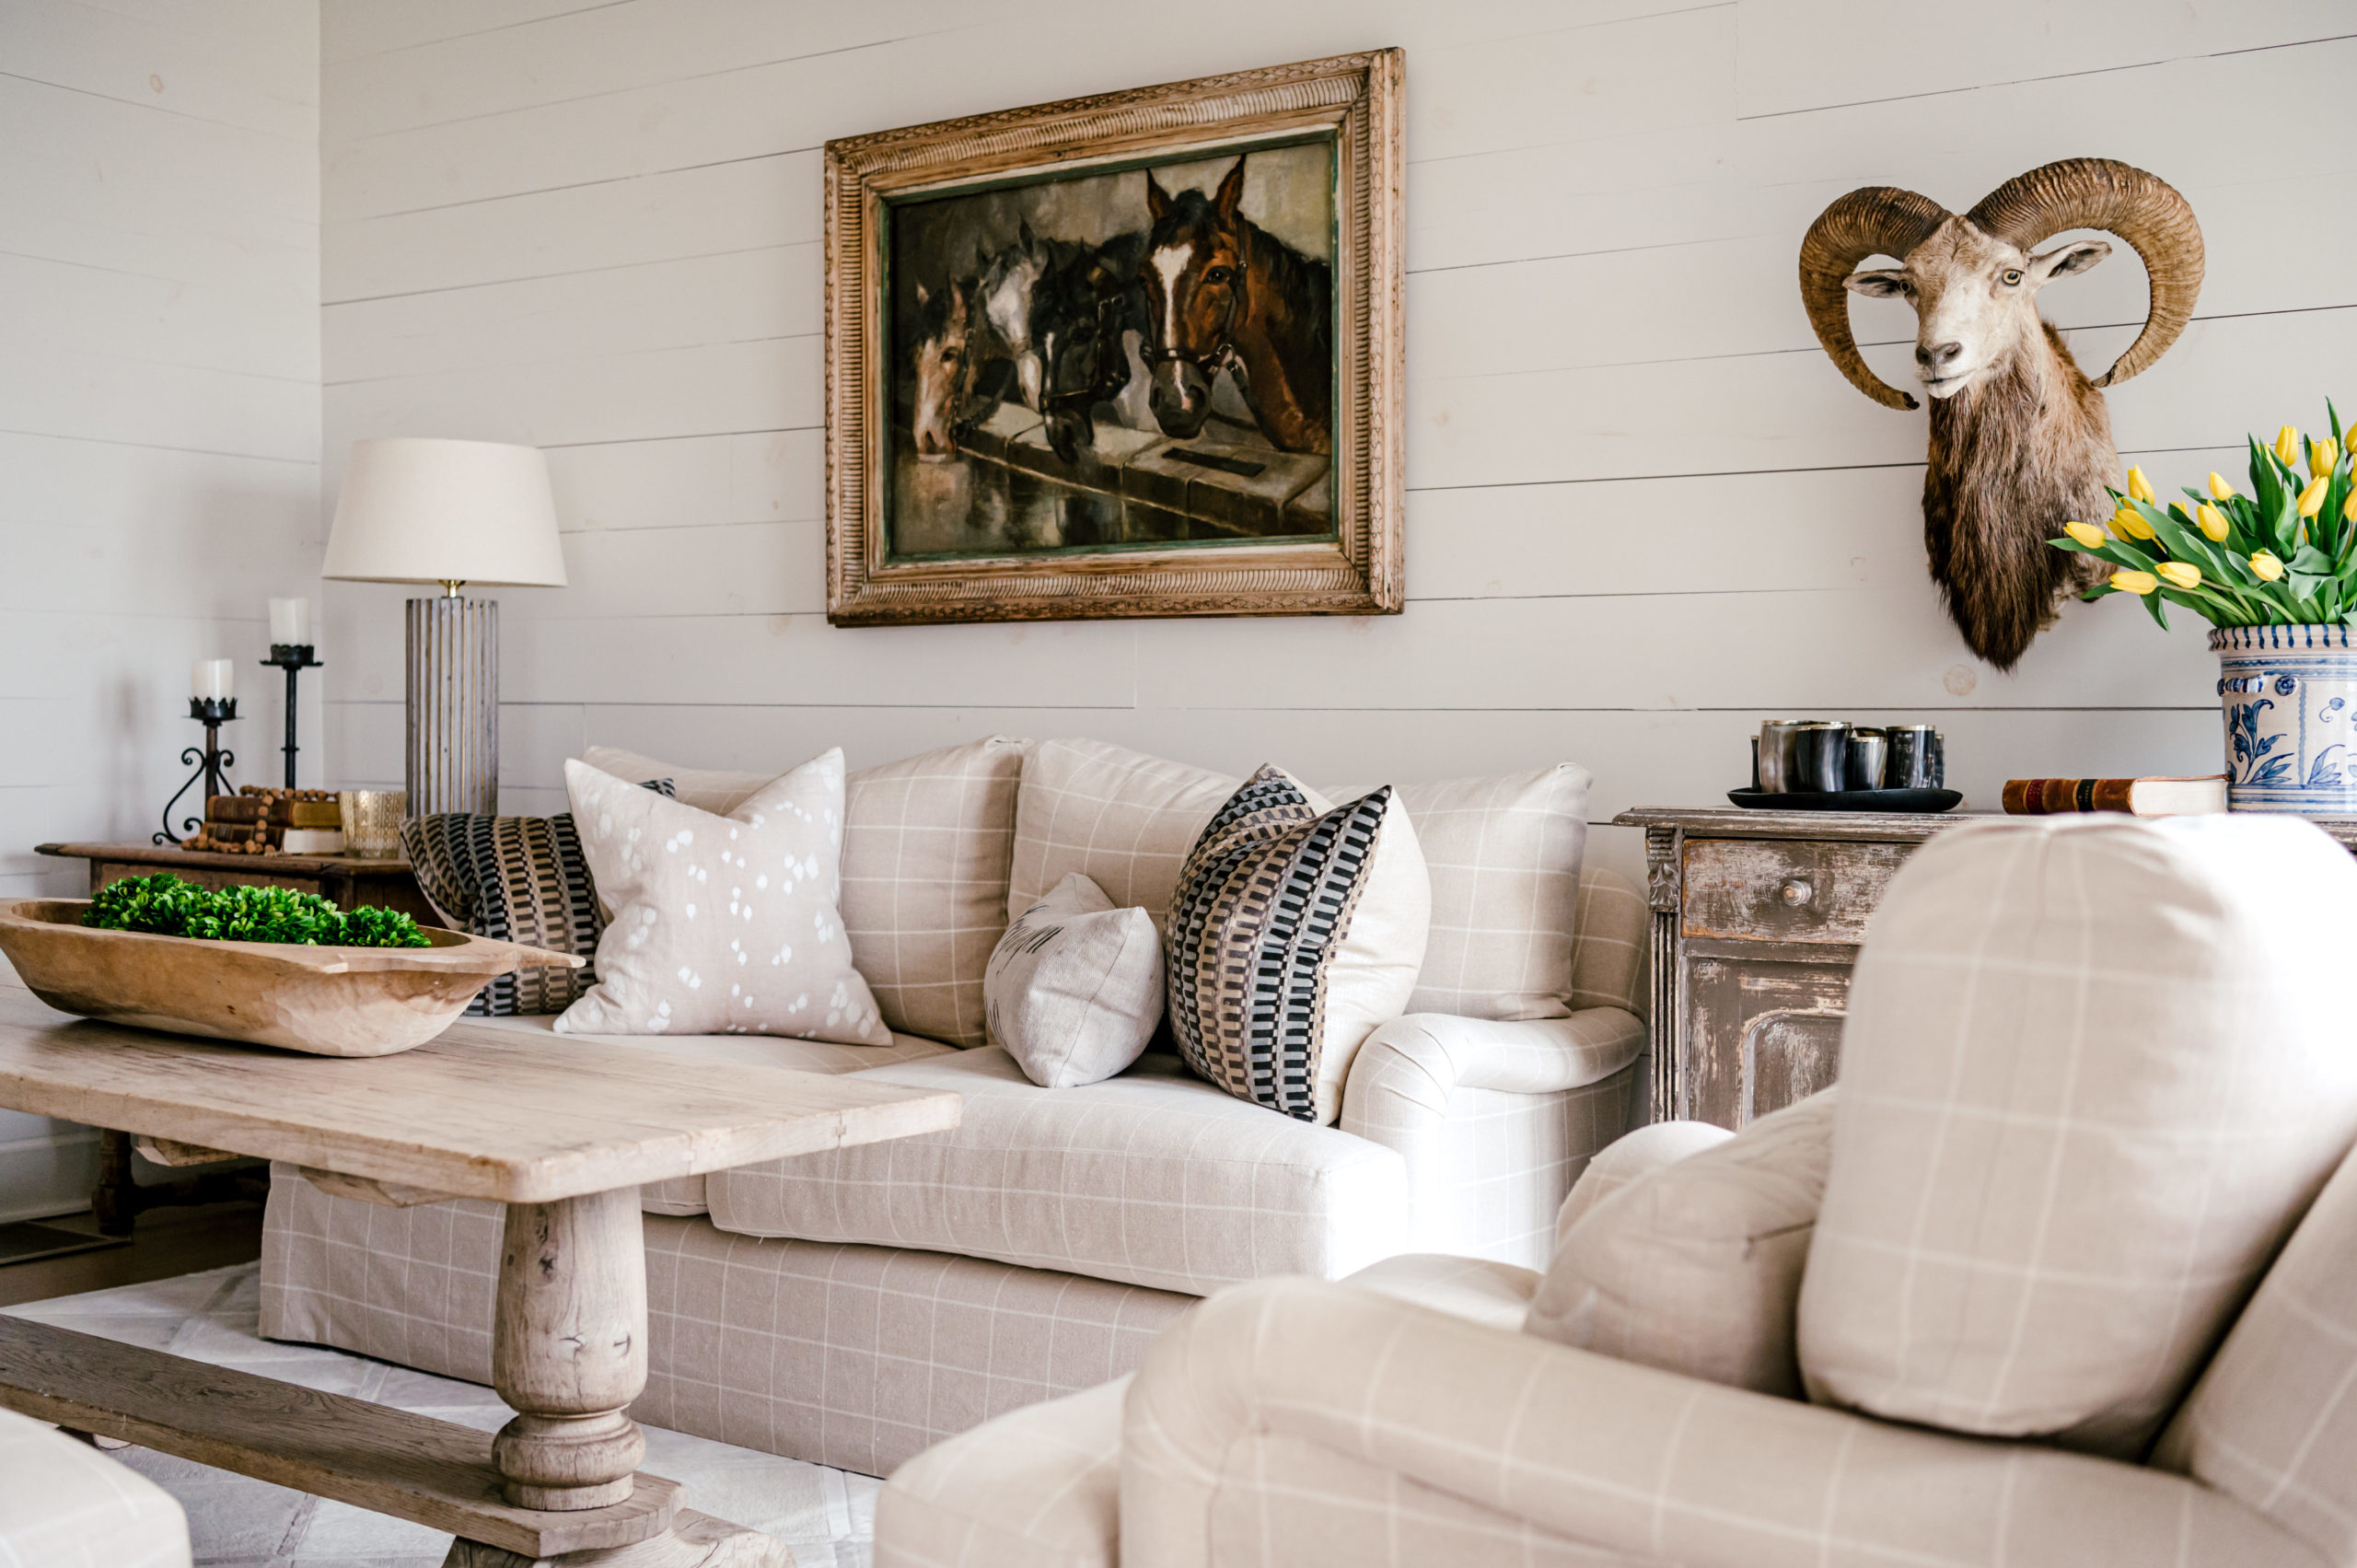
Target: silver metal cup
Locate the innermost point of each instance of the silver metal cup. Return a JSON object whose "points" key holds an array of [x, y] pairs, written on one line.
{"points": [[1820, 758], [1776, 755], [1869, 750]]}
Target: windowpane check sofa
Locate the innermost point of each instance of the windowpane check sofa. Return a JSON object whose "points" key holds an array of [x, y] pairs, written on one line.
{"points": [[853, 1308]]}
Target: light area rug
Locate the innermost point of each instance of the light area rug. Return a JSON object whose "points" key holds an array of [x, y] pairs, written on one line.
{"points": [[825, 1515]]}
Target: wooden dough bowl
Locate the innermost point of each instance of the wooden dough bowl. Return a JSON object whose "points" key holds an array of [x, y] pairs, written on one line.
{"points": [[326, 1001]]}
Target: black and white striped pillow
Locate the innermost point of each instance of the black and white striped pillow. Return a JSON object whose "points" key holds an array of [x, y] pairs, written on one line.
{"points": [[1295, 931], [515, 879]]}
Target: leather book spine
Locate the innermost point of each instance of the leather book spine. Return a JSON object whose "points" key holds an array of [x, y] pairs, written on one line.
{"points": [[2046, 797]]}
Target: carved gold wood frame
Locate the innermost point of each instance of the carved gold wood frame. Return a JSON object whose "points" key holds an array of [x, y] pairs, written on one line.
{"points": [[1356, 98]]}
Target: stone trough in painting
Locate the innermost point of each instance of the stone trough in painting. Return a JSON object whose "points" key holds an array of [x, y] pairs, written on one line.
{"points": [[1007, 487]]}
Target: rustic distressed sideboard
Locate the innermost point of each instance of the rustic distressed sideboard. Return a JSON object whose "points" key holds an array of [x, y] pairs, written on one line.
{"points": [[1757, 918]]}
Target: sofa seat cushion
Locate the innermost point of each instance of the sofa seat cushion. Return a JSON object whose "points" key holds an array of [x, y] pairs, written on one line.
{"points": [[1153, 1177], [685, 1194]]}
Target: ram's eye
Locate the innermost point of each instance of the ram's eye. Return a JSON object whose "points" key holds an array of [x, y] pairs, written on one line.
{"points": [[2012, 276]]}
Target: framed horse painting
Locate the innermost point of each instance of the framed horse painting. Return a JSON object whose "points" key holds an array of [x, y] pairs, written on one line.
{"points": [[1135, 354]]}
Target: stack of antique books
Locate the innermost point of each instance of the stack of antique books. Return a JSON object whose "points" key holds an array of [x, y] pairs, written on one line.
{"points": [[258, 820]]}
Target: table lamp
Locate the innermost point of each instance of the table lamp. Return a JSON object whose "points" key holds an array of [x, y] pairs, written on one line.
{"points": [[449, 512]]}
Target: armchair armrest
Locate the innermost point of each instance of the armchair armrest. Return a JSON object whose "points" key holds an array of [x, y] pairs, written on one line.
{"points": [[1604, 1453], [1493, 1119]]}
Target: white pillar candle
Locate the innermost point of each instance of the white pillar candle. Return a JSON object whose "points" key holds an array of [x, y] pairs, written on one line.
{"points": [[208, 678], [290, 623]]}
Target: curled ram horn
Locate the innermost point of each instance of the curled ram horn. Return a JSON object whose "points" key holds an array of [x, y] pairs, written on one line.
{"points": [[2142, 209], [1881, 220]]}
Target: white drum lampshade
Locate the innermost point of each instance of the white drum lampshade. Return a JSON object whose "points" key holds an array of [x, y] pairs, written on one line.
{"points": [[417, 510]]}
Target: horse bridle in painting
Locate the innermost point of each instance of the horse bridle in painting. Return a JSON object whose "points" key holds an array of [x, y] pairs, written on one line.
{"points": [[1222, 355]]}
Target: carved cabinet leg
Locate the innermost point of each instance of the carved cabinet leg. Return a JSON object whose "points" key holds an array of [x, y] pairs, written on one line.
{"points": [[1664, 890], [569, 1350]]}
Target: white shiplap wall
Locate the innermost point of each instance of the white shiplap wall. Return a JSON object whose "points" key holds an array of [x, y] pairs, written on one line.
{"points": [[1643, 511], [159, 420]]}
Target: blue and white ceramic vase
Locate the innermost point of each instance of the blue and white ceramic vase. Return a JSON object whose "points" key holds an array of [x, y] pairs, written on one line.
{"points": [[2290, 694]]}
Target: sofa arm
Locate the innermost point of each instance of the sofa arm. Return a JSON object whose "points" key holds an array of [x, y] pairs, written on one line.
{"points": [[1494, 1121], [1603, 1453], [1412, 1064]]}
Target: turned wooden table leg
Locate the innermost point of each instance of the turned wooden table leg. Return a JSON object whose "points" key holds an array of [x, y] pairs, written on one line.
{"points": [[569, 1350]]}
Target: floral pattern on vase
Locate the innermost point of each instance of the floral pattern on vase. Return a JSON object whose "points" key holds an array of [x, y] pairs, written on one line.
{"points": [[2290, 697]]}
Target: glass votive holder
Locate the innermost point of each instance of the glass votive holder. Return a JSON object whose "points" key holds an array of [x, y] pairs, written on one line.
{"points": [[372, 820]]}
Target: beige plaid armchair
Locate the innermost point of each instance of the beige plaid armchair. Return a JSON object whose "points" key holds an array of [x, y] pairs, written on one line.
{"points": [[1305, 1423], [1402, 1417], [65, 1504]]}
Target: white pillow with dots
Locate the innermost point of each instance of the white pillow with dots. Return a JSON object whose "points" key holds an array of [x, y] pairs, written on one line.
{"points": [[721, 925]]}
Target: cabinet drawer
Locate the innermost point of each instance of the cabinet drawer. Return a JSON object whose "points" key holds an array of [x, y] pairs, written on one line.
{"points": [[1785, 889]]}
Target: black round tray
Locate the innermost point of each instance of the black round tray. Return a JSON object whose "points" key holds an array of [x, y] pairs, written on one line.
{"points": [[1848, 800]]}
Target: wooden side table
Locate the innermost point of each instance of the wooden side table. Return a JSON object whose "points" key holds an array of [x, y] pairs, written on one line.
{"points": [[346, 881], [1757, 919]]}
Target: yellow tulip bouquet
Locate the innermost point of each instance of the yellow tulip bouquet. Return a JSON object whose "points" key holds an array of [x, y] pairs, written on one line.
{"points": [[2283, 555]]}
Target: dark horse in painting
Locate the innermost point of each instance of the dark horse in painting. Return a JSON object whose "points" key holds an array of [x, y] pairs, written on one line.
{"points": [[1222, 291], [1087, 315]]}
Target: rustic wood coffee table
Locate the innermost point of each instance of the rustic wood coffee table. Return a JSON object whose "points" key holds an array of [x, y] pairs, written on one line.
{"points": [[561, 1130]]}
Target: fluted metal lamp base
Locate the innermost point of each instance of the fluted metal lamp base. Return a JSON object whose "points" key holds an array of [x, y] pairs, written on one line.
{"points": [[453, 705]]}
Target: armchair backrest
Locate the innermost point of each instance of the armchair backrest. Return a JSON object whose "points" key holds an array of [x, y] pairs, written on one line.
{"points": [[2093, 1072]]}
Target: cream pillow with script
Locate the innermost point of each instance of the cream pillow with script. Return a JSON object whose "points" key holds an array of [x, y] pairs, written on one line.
{"points": [[722, 925]]}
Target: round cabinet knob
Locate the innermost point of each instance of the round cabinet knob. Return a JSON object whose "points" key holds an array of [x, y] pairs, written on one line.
{"points": [[1797, 892]]}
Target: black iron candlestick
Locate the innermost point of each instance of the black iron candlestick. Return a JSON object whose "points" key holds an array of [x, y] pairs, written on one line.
{"points": [[212, 764], [292, 657]]}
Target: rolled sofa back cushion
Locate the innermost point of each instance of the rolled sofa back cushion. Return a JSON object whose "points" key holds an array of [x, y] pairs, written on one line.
{"points": [[1695, 1266], [2093, 1072]]}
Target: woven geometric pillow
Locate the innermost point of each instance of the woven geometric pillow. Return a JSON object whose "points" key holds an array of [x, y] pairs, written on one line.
{"points": [[1293, 932], [515, 879]]}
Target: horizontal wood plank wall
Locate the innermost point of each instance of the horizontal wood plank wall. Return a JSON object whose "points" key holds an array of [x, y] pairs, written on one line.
{"points": [[159, 422], [1645, 511]]}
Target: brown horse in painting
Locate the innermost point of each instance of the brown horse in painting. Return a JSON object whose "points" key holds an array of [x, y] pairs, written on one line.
{"points": [[1222, 293], [941, 355]]}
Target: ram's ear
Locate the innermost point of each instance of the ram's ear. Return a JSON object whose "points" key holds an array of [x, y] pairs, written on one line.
{"points": [[1883, 282], [2064, 260]]}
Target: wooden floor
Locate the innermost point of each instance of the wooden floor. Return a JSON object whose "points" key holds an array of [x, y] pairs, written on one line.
{"points": [[167, 1242]]}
